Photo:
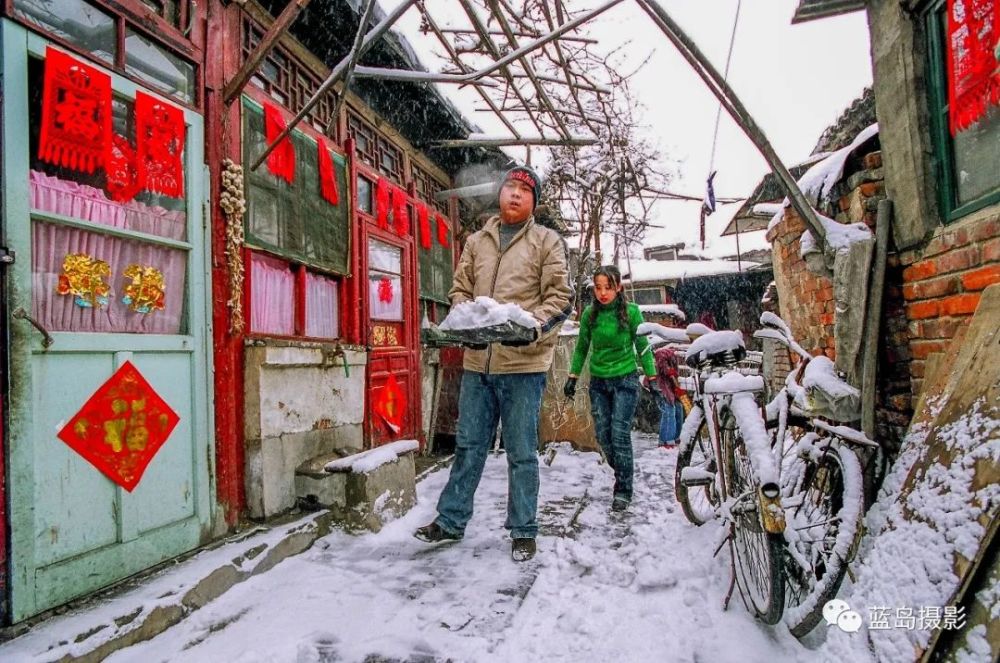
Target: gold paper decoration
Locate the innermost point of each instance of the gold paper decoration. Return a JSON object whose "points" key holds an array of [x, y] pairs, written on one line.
{"points": [[83, 276], [146, 292]]}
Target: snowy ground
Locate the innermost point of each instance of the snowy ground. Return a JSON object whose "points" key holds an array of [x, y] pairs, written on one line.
{"points": [[604, 587]]}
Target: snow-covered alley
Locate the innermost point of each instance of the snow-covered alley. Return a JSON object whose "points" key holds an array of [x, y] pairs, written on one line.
{"points": [[642, 586]]}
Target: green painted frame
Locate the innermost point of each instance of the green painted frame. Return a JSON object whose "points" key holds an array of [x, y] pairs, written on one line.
{"points": [[944, 157], [36, 589]]}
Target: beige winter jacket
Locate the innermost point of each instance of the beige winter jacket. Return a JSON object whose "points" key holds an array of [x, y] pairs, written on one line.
{"points": [[533, 273]]}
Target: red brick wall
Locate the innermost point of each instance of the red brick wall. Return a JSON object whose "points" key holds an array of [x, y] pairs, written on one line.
{"points": [[942, 282], [805, 300]]}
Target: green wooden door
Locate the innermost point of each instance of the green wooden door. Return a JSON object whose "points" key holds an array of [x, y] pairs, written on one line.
{"points": [[73, 529]]}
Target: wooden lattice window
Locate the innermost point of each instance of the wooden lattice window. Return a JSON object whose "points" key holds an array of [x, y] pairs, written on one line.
{"points": [[390, 159], [287, 81], [427, 187], [364, 138], [375, 149]]}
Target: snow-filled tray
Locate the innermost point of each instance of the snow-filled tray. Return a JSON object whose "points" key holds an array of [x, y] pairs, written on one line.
{"points": [[483, 321]]}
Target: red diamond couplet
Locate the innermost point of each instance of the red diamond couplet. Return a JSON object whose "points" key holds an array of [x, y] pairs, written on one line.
{"points": [[121, 427]]}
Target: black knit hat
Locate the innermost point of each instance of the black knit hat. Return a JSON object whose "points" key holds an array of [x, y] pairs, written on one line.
{"points": [[526, 175]]}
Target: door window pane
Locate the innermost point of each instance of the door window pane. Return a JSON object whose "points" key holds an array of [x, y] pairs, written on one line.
{"points": [[157, 66], [385, 284], [74, 21]]}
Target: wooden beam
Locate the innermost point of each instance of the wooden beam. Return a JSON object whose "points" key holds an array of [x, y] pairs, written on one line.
{"points": [[873, 319], [288, 15]]}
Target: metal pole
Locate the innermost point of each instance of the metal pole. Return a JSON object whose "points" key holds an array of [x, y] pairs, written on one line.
{"points": [[735, 108], [355, 54]]}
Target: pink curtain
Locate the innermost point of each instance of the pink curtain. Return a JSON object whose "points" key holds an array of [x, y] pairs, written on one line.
{"points": [[272, 296], [52, 243], [322, 311], [51, 194]]}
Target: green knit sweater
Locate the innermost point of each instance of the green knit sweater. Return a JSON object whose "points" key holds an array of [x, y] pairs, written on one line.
{"points": [[614, 348]]}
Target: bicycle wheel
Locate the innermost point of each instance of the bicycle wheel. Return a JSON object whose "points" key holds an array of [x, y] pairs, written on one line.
{"points": [[757, 554], [823, 512], [694, 477]]}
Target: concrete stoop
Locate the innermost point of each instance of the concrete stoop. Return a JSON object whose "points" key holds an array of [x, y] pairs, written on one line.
{"points": [[143, 607], [358, 500]]}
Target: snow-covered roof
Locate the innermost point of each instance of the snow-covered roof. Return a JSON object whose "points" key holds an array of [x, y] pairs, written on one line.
{"points": [[675, 270]]}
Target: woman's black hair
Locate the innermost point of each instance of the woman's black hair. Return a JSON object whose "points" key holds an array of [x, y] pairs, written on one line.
{"points": [[614, 277]]}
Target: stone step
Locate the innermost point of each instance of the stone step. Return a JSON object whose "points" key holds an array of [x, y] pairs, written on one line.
{"points": [[364, 490]]}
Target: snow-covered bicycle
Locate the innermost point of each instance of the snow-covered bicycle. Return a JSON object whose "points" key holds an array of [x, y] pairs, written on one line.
{"points": [[822, 482], [736, 474]]}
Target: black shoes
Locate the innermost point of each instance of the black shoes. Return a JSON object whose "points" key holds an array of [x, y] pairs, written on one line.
{"points": [[619, 503], [521, 550], [433, 533]]}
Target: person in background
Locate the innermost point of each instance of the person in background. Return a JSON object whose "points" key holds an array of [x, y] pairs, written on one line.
{"points": [[513, 260], [608, 334], [671, 395]]}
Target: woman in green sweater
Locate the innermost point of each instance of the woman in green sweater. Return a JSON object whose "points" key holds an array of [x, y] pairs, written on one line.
{"points": [[608, 329]]}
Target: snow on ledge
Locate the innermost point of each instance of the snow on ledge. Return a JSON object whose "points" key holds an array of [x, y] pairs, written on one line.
{"points": [[669, 309], [366, 461]]}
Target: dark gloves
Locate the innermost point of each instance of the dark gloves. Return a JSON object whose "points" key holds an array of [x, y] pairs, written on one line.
{"points": [[569, 390], [520, 343]]}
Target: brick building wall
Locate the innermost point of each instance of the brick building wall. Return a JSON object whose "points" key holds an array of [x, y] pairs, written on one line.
{"points": [[807, 304], [942, 282]]}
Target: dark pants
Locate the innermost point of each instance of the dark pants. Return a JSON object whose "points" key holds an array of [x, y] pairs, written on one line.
{"points": [[612, 404], [514, 399]]}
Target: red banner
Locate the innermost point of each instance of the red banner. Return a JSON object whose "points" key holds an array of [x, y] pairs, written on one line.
{"points": [[121, 427], [281, 160], [400, 215], [973, 70], [423, 218], [76, 113], [442, 231], [382, 203], [159, 144], [327, 174]]}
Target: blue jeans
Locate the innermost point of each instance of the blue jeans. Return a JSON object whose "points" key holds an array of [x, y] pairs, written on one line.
{"points": [[514, 399], [671, 419], [612, 404]]}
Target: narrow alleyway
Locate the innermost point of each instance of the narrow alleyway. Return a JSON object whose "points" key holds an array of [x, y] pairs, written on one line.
{"points": [[638, 587]]}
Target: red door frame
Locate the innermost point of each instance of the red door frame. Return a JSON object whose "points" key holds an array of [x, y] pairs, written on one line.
{"points": [[409, 379]]}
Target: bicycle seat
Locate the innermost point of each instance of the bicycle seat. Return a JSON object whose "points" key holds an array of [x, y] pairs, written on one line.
{"points": [[720, 348]]}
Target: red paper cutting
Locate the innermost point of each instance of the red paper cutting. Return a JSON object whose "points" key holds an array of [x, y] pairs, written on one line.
{"points": [[442, 229], [76, 113], [382, 203], [973, 70], [121, 427], [400, 216], [327, 174], [423, 218], [122, 176], [385, 290], [281, 160], [390, 404], [160, 131]]}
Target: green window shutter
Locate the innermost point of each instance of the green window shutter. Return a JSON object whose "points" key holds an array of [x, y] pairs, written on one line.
{"points": [[293, 220]]}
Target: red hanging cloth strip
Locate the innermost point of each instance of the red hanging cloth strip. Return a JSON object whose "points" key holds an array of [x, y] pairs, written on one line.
{"points": [[327, 174], [973, 70], [123, 179], [442, 228], [159, 143], [400, 216], [76, 114], [382, 203], [281, 160], [423, 218]]}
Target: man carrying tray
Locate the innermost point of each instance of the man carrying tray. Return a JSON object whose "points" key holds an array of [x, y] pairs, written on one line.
{"points": [[511, 259]]}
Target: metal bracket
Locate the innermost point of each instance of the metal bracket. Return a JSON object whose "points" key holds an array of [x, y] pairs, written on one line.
{"points": [[21, 314], [6, 256]]}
